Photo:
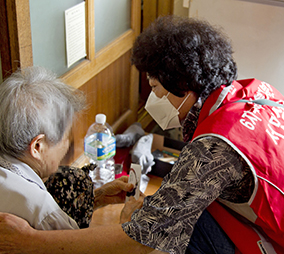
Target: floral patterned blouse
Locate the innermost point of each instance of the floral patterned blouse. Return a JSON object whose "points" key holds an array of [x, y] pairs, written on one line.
{"points": [[207, 168]]}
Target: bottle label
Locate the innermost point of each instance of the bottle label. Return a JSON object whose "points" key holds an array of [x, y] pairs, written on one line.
{"points": [[100, 146]]}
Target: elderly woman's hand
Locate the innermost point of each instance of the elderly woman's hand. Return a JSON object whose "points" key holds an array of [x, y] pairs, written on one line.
{"points": [[113, 192], [130, 206]]}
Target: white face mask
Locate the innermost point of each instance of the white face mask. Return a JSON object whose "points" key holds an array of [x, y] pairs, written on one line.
{"points": [[163, 112]]}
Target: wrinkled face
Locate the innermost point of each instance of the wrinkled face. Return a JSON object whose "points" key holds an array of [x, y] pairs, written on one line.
{"points": [[53, 154]]}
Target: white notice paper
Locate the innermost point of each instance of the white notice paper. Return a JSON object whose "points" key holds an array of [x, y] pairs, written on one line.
{"points": [[75, 27]]}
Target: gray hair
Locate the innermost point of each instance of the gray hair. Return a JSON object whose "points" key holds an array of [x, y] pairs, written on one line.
{"points": [[34, 101]]}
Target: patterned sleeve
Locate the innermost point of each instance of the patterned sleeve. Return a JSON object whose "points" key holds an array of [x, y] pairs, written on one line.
{"points": [[204, 170]]}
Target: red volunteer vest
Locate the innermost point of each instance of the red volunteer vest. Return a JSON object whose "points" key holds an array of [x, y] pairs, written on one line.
{"points": [[256, 132]]}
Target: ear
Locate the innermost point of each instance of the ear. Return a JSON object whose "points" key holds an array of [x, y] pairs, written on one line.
{"points": [[37, 146]]}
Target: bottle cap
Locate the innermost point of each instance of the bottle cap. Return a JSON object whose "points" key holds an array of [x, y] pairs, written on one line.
{"points": [[101, 118]]}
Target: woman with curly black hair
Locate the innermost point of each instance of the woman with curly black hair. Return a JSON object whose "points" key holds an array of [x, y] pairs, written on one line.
{"points": [[192, 74], [185, 54], [225, 192]]}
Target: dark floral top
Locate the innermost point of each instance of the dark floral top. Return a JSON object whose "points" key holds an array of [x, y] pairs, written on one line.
{"points": [[207, 168]]}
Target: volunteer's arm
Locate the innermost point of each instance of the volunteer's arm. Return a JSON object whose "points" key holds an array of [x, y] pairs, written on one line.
{"points": [[18, 237]]}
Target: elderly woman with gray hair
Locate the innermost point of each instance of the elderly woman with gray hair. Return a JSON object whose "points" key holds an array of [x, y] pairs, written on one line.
{"points": [[36, 115]]}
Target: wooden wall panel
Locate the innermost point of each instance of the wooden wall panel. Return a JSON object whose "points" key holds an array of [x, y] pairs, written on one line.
{"points": [[5, 49], [108, 92], [165, 7], [20, 40], [154, 8], [149, 12]]}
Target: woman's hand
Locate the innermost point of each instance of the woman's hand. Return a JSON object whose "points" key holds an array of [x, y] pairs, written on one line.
{"points": [[113, 192], [130, 206]]}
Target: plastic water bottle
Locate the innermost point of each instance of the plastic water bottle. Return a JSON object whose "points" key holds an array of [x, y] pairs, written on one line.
{"points": [[100, 148]]}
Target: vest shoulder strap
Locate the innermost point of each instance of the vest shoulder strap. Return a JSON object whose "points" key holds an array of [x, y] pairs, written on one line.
{"points": [[263, 102]]}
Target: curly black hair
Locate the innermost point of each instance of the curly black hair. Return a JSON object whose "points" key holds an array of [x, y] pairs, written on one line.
{"points": [[185, 54]]}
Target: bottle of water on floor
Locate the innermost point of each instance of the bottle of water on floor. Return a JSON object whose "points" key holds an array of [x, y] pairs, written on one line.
{"points": [[100, 148]]}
